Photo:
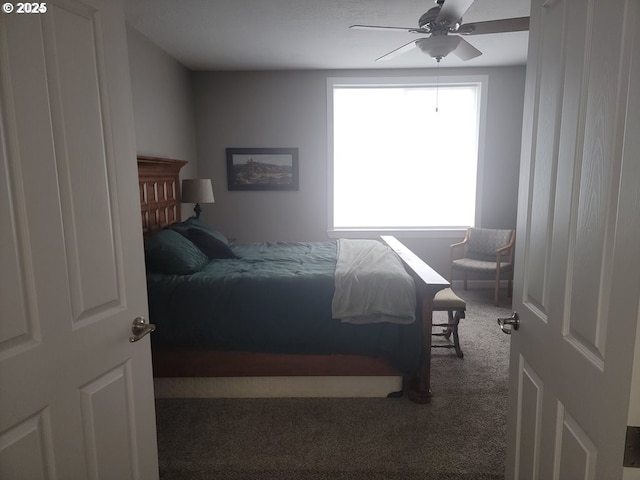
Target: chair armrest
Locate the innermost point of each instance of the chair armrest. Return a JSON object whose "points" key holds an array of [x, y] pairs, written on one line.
{"points": [[457, 246], [463, 242], [501, 252], [506, 250]]}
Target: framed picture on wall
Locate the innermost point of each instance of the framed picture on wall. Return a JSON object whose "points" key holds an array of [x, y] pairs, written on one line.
{"points": [[262, 168]]}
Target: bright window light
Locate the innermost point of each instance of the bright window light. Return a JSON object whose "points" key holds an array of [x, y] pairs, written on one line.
{"points": [[404, 156]]}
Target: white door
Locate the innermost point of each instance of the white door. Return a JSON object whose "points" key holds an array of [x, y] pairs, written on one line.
{"points": [[577, 279], [76, 397]]}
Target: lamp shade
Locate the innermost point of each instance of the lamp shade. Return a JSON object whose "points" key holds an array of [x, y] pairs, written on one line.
{"points": [[197, 190]]}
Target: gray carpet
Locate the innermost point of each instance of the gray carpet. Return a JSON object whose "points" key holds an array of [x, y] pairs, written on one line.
{"points": [[460, 435]]}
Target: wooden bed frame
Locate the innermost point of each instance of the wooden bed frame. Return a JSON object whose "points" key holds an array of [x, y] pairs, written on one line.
{"points": [[160, 206]]}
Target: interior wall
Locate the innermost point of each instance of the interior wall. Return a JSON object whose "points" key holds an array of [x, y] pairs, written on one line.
{"points": [[289, 109], [162, 105]]}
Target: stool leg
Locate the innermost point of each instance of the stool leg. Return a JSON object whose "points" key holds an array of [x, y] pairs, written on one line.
{"points": [[456, 338], [449, 330]]}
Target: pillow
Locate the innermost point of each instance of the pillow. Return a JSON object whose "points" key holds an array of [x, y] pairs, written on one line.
{"points": [[169, 252], [197, 224], [211, 246]]}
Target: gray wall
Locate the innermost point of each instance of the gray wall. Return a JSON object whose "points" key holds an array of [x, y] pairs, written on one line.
{"points": [[289, 109], [162, 105]]}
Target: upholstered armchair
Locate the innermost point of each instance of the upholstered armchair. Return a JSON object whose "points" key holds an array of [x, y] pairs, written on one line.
{"points": [[485, 251]]}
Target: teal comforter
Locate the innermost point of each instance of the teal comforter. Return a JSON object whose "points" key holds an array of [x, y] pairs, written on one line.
{"points": [[275, 297]]}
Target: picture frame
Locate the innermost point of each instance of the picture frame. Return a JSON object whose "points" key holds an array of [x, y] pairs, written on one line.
{"points": [[262, 169]]}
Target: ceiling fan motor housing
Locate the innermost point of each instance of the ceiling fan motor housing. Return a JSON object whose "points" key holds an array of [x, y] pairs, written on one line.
{"points": [[430, 23], [428, 20]]}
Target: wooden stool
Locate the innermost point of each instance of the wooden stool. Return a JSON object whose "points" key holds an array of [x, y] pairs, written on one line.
{"points": [[447, 301]]}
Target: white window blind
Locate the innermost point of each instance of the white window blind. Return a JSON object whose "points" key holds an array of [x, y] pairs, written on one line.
{"points": [[404, 156]]}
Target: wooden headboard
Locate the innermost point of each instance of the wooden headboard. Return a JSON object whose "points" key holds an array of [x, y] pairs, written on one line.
{"points": [[159, 185]]}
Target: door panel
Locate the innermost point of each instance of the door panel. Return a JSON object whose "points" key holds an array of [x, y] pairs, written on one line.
{"points": [[574, 448], [577, 262], [594, 208], [81, 150], [542, 187], [109, 439], [76, 397], [19, 327], [29, 439], [529, 421]]}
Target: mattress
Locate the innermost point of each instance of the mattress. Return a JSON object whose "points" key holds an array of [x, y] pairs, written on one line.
{"points": [[274, 297]]}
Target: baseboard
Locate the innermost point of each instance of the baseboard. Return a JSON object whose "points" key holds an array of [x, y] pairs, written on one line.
{"points": [[276, 387]]}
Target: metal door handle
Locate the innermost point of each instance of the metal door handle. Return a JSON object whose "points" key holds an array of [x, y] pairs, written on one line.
{"points": [[140, 327], [513, 320]]}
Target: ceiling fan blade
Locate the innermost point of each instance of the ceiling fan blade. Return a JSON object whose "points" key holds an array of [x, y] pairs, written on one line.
{"points": [[452, 11], [398, 51], [465, 51], [383, 28], [519, 24]]}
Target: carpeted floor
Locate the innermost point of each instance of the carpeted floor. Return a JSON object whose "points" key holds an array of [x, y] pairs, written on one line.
{"points": [[460, 435]]}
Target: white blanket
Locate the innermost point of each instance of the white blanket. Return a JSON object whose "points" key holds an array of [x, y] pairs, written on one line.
{"points": [[371, 284]]}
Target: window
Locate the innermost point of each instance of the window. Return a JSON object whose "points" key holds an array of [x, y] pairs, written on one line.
{"points": [[404, 153]]}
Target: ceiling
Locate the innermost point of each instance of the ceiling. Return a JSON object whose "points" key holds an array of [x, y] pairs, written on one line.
{"points": [[311, 34]]}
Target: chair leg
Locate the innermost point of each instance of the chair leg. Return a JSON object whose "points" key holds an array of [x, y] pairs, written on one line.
{"points": [[465, 280], [497, 289], [510, 287]]}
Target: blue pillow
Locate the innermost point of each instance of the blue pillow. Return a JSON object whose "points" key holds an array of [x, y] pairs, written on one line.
{"points": [[192, 222], [169, 252], [211, 246]]}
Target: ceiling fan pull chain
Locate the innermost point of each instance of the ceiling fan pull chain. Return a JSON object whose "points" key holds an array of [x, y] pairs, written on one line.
{"points": [[437, 83]]}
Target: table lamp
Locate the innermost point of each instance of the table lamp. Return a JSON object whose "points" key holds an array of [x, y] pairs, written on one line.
{"points": [[197, 190]]}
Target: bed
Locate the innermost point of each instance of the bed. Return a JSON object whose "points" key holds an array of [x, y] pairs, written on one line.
{"points": [[223, 309]]}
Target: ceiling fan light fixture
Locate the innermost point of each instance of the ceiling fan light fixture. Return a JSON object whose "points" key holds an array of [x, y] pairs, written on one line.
{"points": [[438, 47]]}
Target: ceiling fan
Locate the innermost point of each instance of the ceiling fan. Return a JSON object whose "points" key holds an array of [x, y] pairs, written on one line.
{"points": [[444, 27]]}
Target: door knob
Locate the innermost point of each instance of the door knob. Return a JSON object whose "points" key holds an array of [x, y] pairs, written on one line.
{"points": [[140, 327], [513, 320]]}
